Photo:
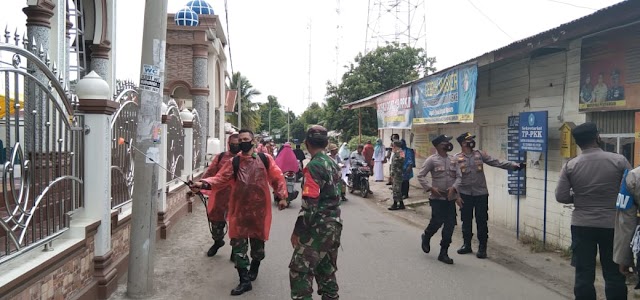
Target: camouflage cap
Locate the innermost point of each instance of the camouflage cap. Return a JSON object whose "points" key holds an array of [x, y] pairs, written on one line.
{"points": [[317, 133]]}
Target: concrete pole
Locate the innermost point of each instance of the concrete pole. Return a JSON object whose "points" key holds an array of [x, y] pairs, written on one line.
{"points": [[288, 127], [239, 100], [145, 193]]}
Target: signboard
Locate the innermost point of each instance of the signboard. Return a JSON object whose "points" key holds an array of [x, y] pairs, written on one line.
{"points": [[446, 97], [422, 141], [533, 131], [395, 110], [514, 183], [610, 76], [150, 79]]}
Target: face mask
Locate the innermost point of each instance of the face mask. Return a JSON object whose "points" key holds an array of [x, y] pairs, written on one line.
{"points": [[234, 148], [471, 144], [246, 146], [448, 147]]}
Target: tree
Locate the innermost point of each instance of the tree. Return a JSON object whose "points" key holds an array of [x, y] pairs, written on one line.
{"points": [[278, 116], [246, 91]]}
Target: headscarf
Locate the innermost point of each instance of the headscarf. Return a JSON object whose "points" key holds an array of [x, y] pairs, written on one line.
{"points": [[378, 149], [286, 159], [344, 151]]}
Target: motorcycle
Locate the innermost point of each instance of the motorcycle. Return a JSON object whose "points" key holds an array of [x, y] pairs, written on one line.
{"points": [[359, 179], [290, 179]]}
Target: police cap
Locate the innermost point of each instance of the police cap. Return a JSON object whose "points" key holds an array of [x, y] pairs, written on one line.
{"points": [[441, 138], [585, 132], [465, 136]]}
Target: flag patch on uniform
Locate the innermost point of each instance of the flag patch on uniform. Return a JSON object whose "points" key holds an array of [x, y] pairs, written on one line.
{"points": [[310, 189]]}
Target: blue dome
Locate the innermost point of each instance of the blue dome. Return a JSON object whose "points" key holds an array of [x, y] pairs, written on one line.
{"points": [[200, 7], [186, 17]]}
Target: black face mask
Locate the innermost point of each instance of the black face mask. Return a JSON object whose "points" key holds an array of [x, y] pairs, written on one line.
{"points": [[471, 144], [448, 147], [234, 148], [246, 146]]}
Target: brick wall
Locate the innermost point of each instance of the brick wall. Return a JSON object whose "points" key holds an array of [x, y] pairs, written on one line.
{"points": [[179, 63]]}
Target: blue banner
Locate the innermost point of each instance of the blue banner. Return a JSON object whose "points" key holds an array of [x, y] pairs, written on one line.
{"points": [[446, 97], [533, 131]]}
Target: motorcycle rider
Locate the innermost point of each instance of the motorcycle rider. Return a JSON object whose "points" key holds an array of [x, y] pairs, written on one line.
{"points": [[333, 154], [357, 159], [287, 162]]}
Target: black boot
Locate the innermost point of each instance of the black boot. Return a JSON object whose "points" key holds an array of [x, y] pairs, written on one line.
{"points": [[245, 283], [214, 249], [344, 198], [253, 270], [444, 256], [466, 247], [482, 250], [426, 243], [231, 257], [401, 206], [394, 206]]}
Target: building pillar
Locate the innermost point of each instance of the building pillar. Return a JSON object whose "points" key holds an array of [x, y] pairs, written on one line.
{"points": [[100, 58], [67, 66], [200, 91], [97, 107]]}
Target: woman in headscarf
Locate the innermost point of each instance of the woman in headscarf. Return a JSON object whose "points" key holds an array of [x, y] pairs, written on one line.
{"points": [[286, 159], [378, 161], [344, 154], [407, 174]]}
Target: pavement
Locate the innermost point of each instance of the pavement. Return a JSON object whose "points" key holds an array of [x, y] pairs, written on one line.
{"points": [[380, 258]]}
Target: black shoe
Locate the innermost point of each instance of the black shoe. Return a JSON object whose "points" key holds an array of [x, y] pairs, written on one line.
{"points": [[389, 183], [444, 257], [244, 285], [401, 206], [405, 197], [466, 248], [394, 206], [253, 270], [426, 243], [482, 251], [344, 198], [370, 192], [231, 257], [214, 249]]}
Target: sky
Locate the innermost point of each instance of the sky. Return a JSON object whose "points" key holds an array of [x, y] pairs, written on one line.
{"points": [[271, 43]]}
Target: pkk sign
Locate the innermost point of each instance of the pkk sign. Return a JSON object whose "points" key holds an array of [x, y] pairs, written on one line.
{"points": [[395, 110], [533, 131], [446, 97]]}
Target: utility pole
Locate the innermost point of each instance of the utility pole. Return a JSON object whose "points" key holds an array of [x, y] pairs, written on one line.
{"points": [[288, 126], [238, 99], [145, 192]]}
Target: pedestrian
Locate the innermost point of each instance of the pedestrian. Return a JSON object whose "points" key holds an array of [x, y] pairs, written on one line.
{"points": [[367, 152], [397, 164], [407, 168], [249, 214], [473, 191], [626, 243], [344, 155], [301, 157], [394, 137], [333, 154], [378, 161], [445, 176], [218, 204], [316, 234], [591, 182]]}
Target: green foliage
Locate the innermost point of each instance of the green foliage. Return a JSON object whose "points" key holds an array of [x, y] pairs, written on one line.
{"points": [[246, 91], [355, 141]]}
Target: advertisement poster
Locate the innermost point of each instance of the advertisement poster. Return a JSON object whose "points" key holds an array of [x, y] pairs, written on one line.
{"points": [[422, 141], [395, 110], [610, 77], [446, 97]]}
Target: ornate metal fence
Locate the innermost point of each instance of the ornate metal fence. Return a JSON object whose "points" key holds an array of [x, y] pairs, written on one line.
{"points": [[175, 142], [197, 141], [123, 126], [41, 150]]}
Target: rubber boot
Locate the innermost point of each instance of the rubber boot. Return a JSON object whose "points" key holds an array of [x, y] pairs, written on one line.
{"points": [[344, 198], [401, 206], [253, 270], [482, 251], [214, 249], [444, 256], [244, 285], [426, 243], [466, 247], [394, 206]]}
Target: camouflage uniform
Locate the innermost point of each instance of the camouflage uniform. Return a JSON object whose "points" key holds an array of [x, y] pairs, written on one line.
{"points": [[240, 247], [319, 228], [396, 174]]}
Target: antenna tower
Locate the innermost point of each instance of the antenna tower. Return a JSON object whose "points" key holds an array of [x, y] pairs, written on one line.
{"points": [[309, 70], [396, 21], [338, 41]]}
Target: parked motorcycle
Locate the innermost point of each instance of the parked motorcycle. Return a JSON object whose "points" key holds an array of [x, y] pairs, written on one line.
{"points": [[359, 179], [290, 179]]}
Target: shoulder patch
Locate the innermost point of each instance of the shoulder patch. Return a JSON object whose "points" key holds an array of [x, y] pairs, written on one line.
{"points": [[310, 189]]}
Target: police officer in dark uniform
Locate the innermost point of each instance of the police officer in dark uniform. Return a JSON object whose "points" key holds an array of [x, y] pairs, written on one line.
{"points": [[473, 191]]}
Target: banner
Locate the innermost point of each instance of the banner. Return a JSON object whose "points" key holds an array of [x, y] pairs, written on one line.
{"points": [[394, 109], [446, 97], [610, 77]]}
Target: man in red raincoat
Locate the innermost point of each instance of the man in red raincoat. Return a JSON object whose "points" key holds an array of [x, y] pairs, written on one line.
{"points": [[219, 201], [367, 152], [250, 207]]}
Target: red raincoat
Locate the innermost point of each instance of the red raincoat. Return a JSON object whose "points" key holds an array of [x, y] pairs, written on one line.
{"points": [[250, 207], [367, 152], [218, 201]]}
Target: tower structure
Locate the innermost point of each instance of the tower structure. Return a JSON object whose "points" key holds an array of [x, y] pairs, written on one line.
{"points": [[396, 21]]}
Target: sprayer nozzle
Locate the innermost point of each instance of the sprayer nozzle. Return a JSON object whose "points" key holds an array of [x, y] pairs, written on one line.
{"points": [[121, 141]]}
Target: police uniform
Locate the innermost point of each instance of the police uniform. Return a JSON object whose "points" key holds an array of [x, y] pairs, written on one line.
{"points": [[445, 174], [318, 227], [474, 193]]}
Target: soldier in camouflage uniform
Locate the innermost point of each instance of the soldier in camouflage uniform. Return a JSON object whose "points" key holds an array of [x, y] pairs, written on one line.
{"points": [[397, 164], [316, 235]]}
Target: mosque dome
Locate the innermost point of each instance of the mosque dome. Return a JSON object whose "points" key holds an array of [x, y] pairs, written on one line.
{"points": [[186, 17], [200, 7]]}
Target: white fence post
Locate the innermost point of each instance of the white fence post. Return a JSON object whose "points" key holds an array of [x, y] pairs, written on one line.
{"points": [[187, 124], [162, 176]]}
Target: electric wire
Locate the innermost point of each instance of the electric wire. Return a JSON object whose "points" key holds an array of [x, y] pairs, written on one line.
{"points": [[571, 4], [490, 20], [226, 17]]}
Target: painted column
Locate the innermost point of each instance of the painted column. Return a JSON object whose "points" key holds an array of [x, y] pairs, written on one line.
{"points": [[200, 91], [187, 124], [97, 107], [100, 58]]}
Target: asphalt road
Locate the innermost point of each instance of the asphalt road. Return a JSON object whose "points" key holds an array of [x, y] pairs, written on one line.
{"points": [[380, 259]]}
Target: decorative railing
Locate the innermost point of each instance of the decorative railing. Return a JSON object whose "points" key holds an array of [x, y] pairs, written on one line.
{"points": [[42, 147], [197, 141], [175, 143], [123, 125]]}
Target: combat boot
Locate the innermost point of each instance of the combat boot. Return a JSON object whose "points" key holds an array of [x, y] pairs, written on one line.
{"points": [[394, 206], [426, 243], [214, 249], [482, 251], [253, 270], [245, 283], [401, 206], [444, 256], [466, 247]]}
